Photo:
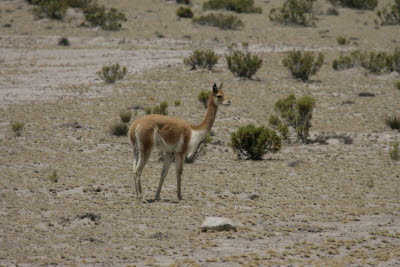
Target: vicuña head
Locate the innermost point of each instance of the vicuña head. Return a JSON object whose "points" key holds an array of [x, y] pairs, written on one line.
{"points": [[173, 136]]}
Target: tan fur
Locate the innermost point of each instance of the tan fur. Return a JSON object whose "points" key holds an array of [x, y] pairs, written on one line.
{"points": [[171, 135]]}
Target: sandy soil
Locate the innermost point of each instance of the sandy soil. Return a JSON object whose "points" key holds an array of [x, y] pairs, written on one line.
{"points": [[334, 204]]}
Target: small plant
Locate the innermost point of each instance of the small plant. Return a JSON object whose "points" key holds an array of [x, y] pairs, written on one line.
{"points": [[64, 42], [295, 113], [112, 73], [119, 129], [222, 21], [177, 103], [393, 122], [17, 127], [53, 9], [391, 16], [298, 12], [125, 116], [109, 20], [344, 62], [184, 2], [302, 64], [357, 4], [184, 12], [253, 142], [239, 6], [161, 109], [241, 62], [147, 110], [205, 59], [394, 152], [54, 176], [342, 40], [203, 97], [397, 85], [370, 183]]}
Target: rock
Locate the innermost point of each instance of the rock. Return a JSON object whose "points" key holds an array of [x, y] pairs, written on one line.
{"points": [[217, 224]]}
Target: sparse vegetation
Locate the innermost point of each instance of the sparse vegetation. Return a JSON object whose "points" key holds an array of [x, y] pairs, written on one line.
{"points": [[161, 109], [184, 12], [112, 73], [205, 59], [125, 116], [17, 127], [119, 128], [239, 6], [342, 40], [109, 20], [222, 21], [394, 153], [294, 113], [370, 183], [54, 176], [253, 142], [203, 97], [50, 9], [393, 122], [298, 12], [357, 4], [177, 103], [241, 62], [147, 110], [302, 64], [390, 16], [343, 63]]}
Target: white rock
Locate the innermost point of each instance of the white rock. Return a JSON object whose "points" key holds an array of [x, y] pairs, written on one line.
{"points": [[217, 224]]}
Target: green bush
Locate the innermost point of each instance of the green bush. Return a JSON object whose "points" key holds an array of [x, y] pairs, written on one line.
{"points": [[357, 4], [241, 62], [53, 9], [204, 59], [239, 6], [81, 3], [393, 122], [177, 103], [17, 127], [203, 97], [161, 109], [294, 113], [344, 62], [222, 21], [147, 110], [119, 129], [253, 142], [342, 40], [112, 73], [108, 20], [302, 64], [391, 16], [125, 116], [184, 12], [298, 12], [394, 152]]}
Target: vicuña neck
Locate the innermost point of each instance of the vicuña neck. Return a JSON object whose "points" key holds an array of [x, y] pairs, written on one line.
{"points": [[209, 119]]}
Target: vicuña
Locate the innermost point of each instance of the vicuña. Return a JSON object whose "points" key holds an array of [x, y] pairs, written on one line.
{"points": [[174, 137]]}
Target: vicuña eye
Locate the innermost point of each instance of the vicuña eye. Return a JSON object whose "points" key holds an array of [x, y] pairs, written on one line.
{"points": [[219, 96]]}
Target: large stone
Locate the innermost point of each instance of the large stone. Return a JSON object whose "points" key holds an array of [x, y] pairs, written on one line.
{"points": [[217, 224]]}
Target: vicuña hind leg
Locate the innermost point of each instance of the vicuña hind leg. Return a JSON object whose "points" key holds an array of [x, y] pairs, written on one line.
{"points": [[167, 163], [143, 158], [179, 158]]}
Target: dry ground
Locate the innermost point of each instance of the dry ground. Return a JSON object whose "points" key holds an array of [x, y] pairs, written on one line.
{"points": [[339, 205]]}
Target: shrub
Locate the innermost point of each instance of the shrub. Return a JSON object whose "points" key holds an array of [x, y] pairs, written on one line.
{"points": [[302, 64], [396, 60], [394, 152], [108, 20], [185, 2], [299, 12], [147, 110], [393, 122], [184, 12], [161, 109], [177, 103], [241, 62], [222, 21], [397, 85], [205, 59], [295, 113], [119, 129], [81, 3], [125, 116], [63, 41], [374, 62], [112, 73], [357, 4], [332, 12], [344, 62], [53, 9], [54, 176], [342, 40], [391, 16], [239, 6], [253, 142], [203, 97], [17, 127]]}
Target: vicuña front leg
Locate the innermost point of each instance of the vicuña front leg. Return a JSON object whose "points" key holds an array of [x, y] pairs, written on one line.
{"points": [[167, 163], [179, 158]]}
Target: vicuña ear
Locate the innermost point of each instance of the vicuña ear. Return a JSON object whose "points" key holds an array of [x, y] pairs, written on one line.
{"points": [[215, 88], [220, 86]]}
